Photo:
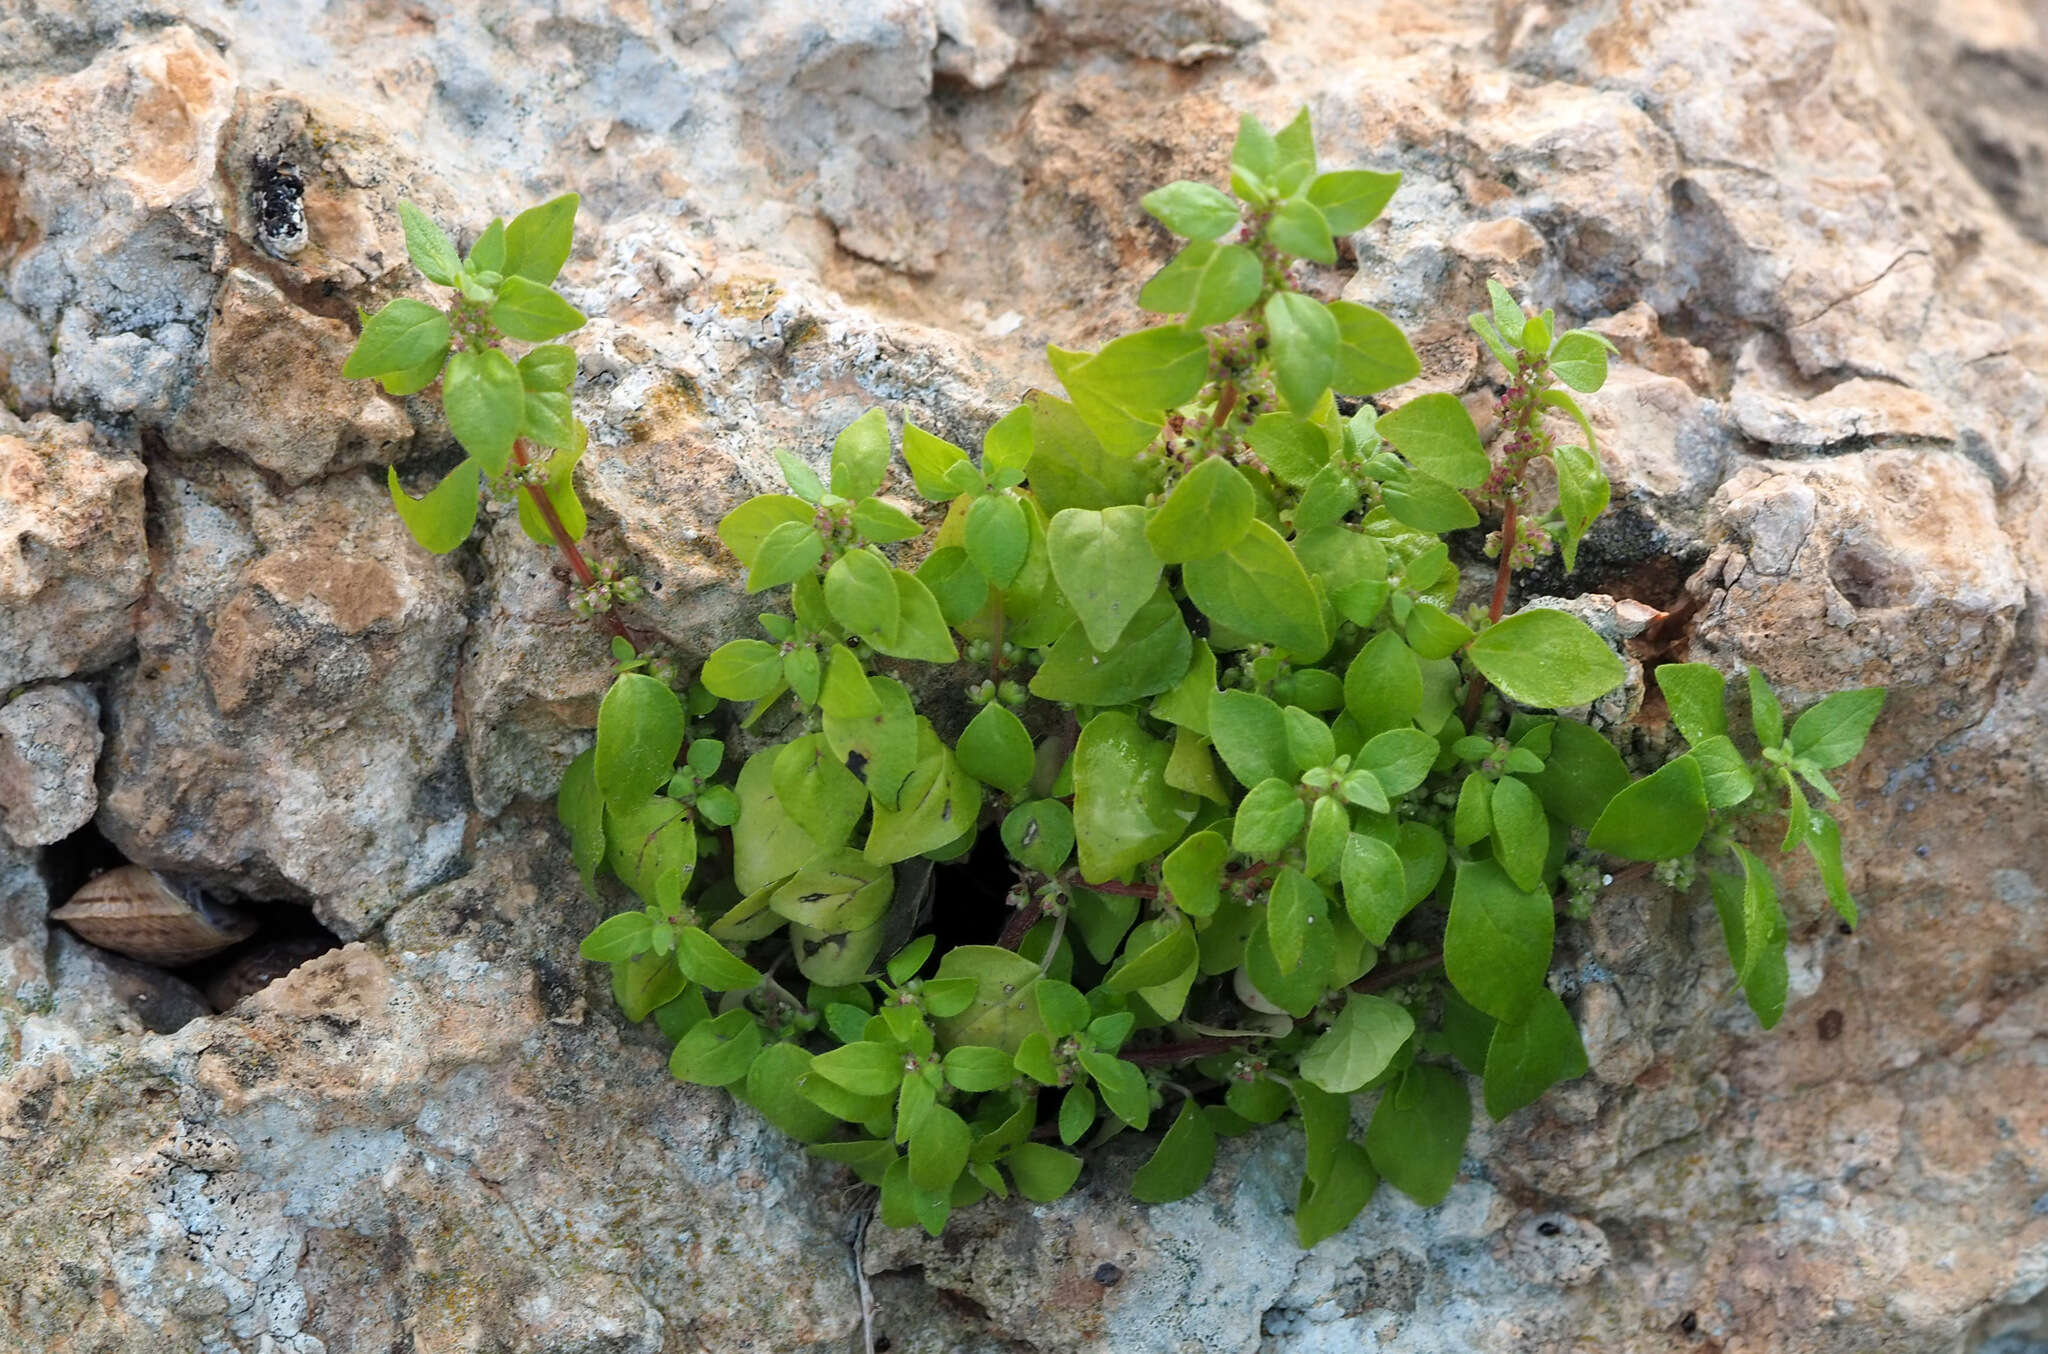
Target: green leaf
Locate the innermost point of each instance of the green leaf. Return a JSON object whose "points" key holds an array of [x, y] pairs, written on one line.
{"points": [[1124, 811], [1294, 448], [1372, 352], [1180, 1166], [953, 581], [404, 335], [1417, 500], [938, 1150], [1660, 817], [1695, 693], [1375, 887], [1296, 152], [1077, 1113], [940, 469], [1326, 1206], [995, 749], [1766, 716], [1399, 759], [1723, 772], [1268, 820], [1157, 952], [1581, 774], [616, 938], [998, 537], [1434, 633], [798, 475], [865, 1068], [768, 845], [743, 670], [532, 313], [921, 632], [1823, 837], [975, 1067], [860, 590], [1329, 827], [442, 520], [1298, 228], [1258, 588], [485, 404], [1582, 495], [937, 805], [1750, 914], [1508, 314], [432, 252], [1192, 210], [1303, 336], [1352, 199], [1383, 684], [1472, 822], [860, 456], [1069, 466], [703, 960], [581, 809], [1208, 282], [1832, 732], [1294, 907], [1123, 1087], [718, 1051], [773, 1086], [1104, 565], [1580, 360], [1436, 436], [1417, 1135], [538, 240], [1358, 1046], [1208, 512], [814, 787], [1150, 657], [487, 252], [1498, 940], [1250, 733], [1547, 659], [1521, 832], [1039, 834], [881, 523], [746, 527], [1042, 1173], [1193, 873], [639, 733], [1529, 1056], [1123, 391]]}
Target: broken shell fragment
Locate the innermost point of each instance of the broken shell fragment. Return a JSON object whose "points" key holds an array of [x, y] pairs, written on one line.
{"points": [[135, 911]]}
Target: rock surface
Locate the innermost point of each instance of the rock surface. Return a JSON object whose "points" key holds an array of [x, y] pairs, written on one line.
{"points": [[1814, 230]]}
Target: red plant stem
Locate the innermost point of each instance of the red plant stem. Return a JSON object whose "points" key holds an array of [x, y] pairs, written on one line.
{"points": [[1500, 601], [1127, 890], [1224, 404], [1020, 924], [1380, 979], [577, 564], [1178, 1053]]}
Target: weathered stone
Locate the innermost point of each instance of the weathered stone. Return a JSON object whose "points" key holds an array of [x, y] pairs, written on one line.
{"points": [[73, 560], [272, 390], [49, 743]]}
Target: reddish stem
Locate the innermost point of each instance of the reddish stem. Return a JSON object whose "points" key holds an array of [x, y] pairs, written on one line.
{"points": [[1179, 1053], [1224, 405], [1127, 890], [1020, 924], [1381, 979], [567, 543], [1477, 692]]}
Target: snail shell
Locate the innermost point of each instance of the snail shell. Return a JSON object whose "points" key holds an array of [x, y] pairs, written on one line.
{"points": [[136, 912]]}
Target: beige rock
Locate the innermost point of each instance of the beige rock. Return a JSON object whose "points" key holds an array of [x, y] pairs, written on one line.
{"points": [[49, 742], [73, 559], [272, 390]]}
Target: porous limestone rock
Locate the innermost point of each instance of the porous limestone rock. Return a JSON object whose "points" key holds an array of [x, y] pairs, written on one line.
{"points": [[1812, 229], [49, 744], [73, 560]]}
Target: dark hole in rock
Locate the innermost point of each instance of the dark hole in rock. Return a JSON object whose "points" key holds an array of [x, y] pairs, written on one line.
{"points": [[285, 936], [1690, 1323], [279, 204], [1548, 1229], [1108, 1275], [1868, 580], [967, 897]]}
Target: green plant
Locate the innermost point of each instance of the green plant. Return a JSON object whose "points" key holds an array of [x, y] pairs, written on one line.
{"points": [[1283, 824]]}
